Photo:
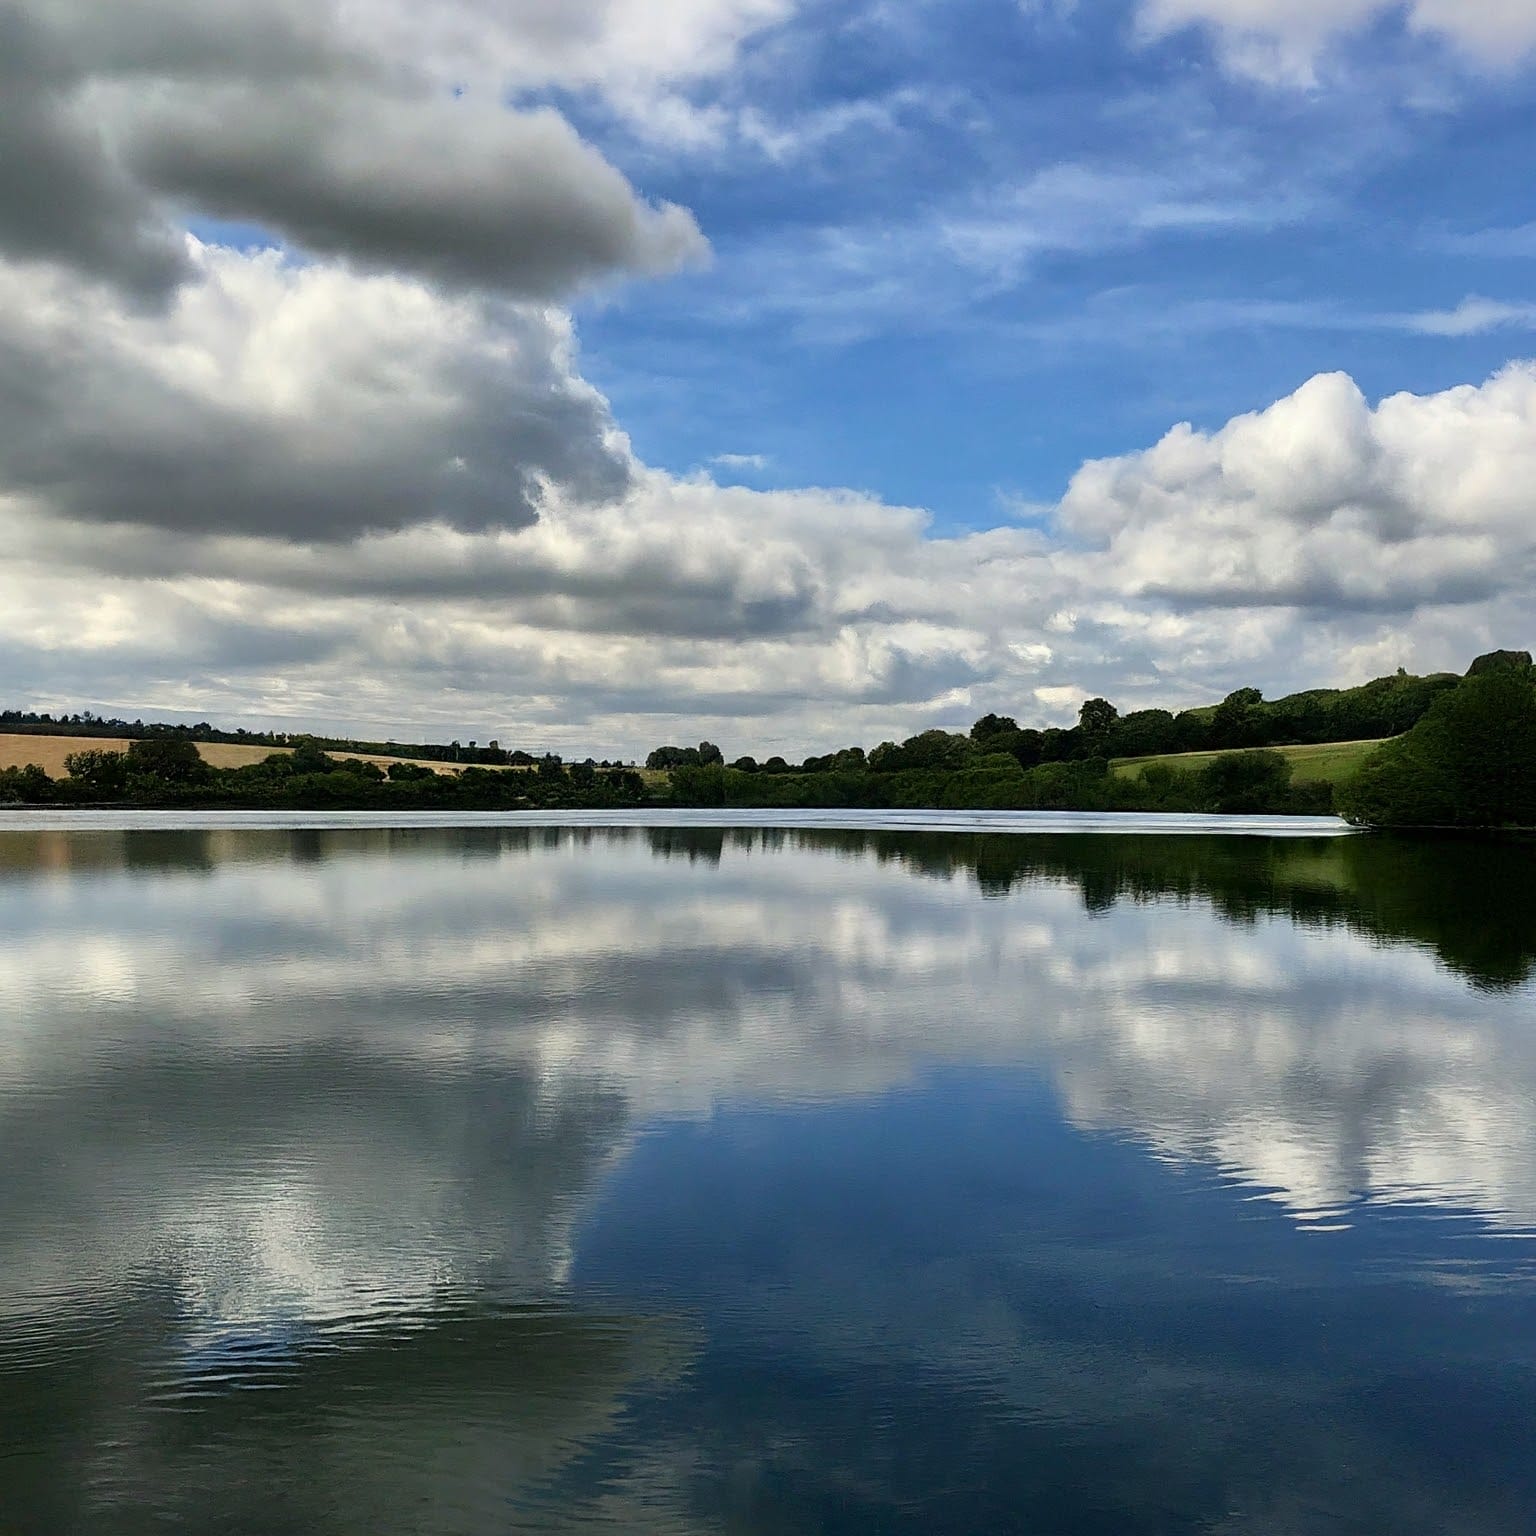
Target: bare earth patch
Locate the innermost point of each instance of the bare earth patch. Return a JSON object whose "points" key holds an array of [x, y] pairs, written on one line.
{"points": [[49, 752]]}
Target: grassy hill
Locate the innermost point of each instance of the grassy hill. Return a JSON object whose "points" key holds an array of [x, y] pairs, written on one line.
{"points": [[1334, 761], [49, 752]]}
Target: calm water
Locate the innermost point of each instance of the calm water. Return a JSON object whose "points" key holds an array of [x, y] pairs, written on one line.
{"points": [[690, 1180]]}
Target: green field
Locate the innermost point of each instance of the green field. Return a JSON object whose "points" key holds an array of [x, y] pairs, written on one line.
{"points": [[1332, 760]]}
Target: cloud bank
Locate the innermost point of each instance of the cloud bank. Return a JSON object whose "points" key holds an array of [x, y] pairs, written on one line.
{"points": [[304, 489], [335, 462]]}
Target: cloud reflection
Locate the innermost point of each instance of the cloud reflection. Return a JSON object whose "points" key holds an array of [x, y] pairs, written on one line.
{"points": [[326, 1111]]}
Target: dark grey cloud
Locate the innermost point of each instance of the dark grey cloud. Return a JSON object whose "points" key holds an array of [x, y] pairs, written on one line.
{"points": [[117, 117], [646, 594], [295, 403], [62, 197], [196, 39], [462, 192]]}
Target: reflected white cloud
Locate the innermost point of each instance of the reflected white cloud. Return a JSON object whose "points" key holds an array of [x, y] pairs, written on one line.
{"points": [[355, 1059], [346, 1110]]}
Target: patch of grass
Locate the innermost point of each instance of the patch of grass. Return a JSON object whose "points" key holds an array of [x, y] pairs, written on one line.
{"points": [[1335, 761]]}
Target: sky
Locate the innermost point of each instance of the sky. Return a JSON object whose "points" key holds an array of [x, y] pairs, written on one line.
{"points": [[587, 374]]}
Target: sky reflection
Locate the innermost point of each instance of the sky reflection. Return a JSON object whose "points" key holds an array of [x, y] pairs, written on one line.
{"points": [[900, 1116]]}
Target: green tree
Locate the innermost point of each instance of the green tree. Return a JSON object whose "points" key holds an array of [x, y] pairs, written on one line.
{"points": [[990, 727], [928, 749], [1470, 762], [1246, 783], [30, 785], [170, 759], [1026, 747], [673, 757], [1239, 720], [308, 757], [699, 784], [106, 773], [1142, 733], [1095, 720], [1500, 661]]}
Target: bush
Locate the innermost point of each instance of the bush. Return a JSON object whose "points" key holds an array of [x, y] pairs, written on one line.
{"points": [[105, 773], [1246, 783], [29, 785], [700, 785]]}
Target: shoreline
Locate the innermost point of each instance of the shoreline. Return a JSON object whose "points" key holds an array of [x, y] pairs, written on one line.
{"points": [[1019, 823]]}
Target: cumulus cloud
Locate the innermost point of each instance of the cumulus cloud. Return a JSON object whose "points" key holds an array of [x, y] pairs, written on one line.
{"points": [[308, 493], [1322, 501], [617, 46], [1282, 40], [291, 401]]}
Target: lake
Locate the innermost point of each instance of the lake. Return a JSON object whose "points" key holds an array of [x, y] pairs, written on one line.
{"points": [[930, 1179]]}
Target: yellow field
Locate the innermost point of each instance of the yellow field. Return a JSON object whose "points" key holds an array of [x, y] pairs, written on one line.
{"points": [[1332, 760], [49, 752]]}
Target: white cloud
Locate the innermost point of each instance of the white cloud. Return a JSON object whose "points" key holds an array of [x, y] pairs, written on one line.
{"points": [[621, 47], [1283, 40], [307, 493], [368, 480], [1322, 502], [1474, 317], [925, 267], [1517, 242], [1084, 207]]}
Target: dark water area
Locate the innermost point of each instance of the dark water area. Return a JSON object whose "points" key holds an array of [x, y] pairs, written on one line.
{"points": [[701, 1180]]}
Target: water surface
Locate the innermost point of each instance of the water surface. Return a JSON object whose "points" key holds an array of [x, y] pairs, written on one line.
{"points": [[689, 1179]]}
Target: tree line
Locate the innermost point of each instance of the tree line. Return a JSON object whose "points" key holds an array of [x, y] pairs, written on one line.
{"points": [[1457, 752], [166, 772], [1463, 755], [1243, 720]]}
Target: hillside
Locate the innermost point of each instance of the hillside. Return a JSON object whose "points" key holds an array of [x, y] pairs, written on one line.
{"points": [[1311, 763]]}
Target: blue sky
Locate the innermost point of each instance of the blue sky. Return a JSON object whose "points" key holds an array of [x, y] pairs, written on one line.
{"points": [[586, 374], [1150, 240]]}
